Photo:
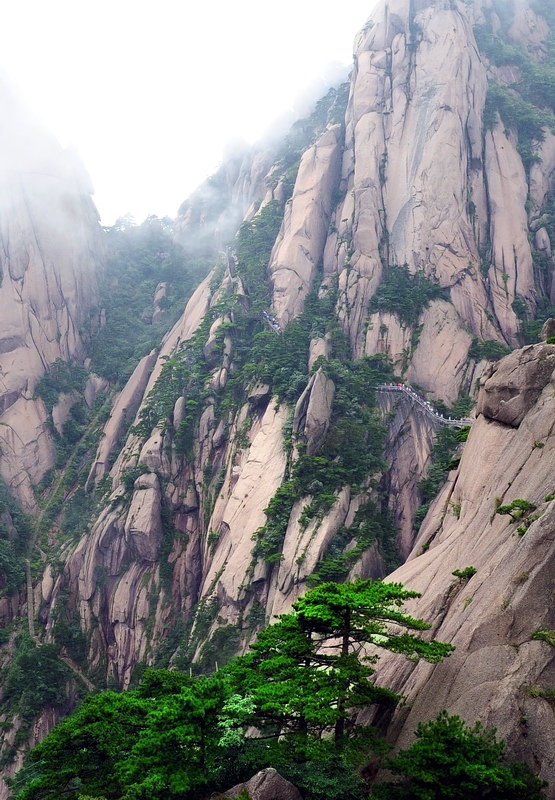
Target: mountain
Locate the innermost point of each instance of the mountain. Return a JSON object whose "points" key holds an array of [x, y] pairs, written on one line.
{"points": [[401, 235], [51, 253]]}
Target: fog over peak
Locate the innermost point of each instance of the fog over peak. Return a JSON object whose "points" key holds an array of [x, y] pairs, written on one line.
{"points": [[151, 99]]}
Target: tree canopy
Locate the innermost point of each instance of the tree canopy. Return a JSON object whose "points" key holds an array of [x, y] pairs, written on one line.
{"points": [[288, 703], [310, 669], [454, 761]]}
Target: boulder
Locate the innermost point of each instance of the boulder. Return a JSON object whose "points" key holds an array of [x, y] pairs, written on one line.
{"points": [[515, 383], [267, 784], [548, 329], [259, 394]]}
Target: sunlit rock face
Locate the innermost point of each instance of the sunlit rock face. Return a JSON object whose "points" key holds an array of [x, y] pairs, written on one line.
{"points": [[513, 386], [426, 187], [50, 252], [300, 246]]}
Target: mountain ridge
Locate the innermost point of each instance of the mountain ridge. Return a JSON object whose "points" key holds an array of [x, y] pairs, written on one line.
{"points": [[403, 232]]}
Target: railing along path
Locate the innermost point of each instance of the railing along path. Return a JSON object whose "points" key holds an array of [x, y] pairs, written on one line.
{"points": [[424, 404]]}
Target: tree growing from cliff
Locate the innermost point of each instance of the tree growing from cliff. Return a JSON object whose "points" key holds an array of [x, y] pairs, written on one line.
{"points": [[308, 671], [517, 509]]}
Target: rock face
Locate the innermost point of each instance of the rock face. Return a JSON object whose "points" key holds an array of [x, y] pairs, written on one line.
{"points": [[409, 444], [123, 412], [514, 385], [313, 411], [405, 173], [266, 785], [300, 246], [50, 252], [501, 669]]}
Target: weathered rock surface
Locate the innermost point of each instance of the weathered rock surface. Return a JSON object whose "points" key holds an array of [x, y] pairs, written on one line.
{"points": [[123, 412], [515, 383], [50, 251], [143, 526], [410, 440], [313, 411], [498, 670], [252, 478], [300, 245], [266, 785]]}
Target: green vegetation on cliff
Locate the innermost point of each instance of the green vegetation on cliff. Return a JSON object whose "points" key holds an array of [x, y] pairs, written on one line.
{"points": [[454, 761], [405, 294], [15, 532], [350, 455], [528, 104], [140, 258], [179, 737], [175, 736]]}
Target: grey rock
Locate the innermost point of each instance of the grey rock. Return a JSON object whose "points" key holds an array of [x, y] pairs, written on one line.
{"points": [[267, 784], [515, 383]]}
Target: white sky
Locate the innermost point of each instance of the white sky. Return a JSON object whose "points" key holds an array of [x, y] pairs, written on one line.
{"points": [[151, 92]]}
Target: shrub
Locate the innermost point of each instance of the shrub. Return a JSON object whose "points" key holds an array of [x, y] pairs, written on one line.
{"points": [[36, 678], [464, 574], [453, 760], [545, 635], [518, 509], [488, 349], [404, 294], [62, 377]]}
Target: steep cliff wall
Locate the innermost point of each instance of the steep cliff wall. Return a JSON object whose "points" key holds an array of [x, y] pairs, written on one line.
{"points": [[502, 671], [403, 232], [50, 252], [402, 217]]}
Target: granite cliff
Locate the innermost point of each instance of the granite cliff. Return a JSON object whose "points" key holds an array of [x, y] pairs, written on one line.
{"points": [[432, 264], [499, 615], [402, 233], [51, 252]]}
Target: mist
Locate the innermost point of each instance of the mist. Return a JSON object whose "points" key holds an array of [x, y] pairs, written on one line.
{"points": [[150, 99]]}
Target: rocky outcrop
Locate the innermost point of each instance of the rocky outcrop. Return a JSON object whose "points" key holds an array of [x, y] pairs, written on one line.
{"points": [[313, 411], [409, 444], [407, 93], [124, 409], [143, 526], [50, 252], [300, 245], [266, 785], [501, 671], [513, 385]]}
